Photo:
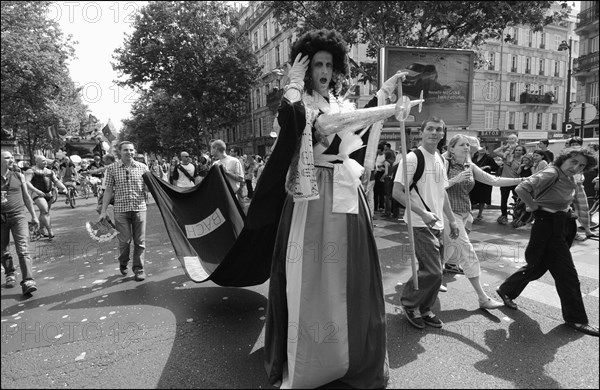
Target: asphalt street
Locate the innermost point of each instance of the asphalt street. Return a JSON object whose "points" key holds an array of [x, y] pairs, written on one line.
{"points": [[89, 327]]}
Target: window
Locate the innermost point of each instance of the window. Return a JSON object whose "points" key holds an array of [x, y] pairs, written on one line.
{"points": [[554, 125], [540, 90], [265, 33], [594, 93], [525, 120], [527, 65], [556, 95], [490, 91], [276, 26], [542, 66], [257, 98], [557, 40], [515, 36], [556, 69], [514, 64], [277, 57], [511, 120], [255, 41], [538, 124], [491, 60], [489, 120], [512, 92], [530, 38], [542, 40]]}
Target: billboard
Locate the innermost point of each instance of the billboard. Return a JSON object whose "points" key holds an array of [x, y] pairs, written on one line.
{"points": [[444, 75]]}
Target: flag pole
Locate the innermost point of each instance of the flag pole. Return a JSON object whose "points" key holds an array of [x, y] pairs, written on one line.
{"points": [[407, 213]]}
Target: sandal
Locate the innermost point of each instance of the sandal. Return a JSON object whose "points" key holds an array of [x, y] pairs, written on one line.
{"points": [[584, 328]]}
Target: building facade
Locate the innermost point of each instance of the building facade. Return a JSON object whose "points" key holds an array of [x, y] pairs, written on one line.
{"points": [[521, 88], [585, 68]]}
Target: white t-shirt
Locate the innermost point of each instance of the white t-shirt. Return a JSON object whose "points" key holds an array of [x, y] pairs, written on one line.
{"points": [[234, 166], [183, 181], [432, 185]]}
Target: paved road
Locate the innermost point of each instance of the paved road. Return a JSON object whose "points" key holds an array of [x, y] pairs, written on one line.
{"points": [[89, 327]]}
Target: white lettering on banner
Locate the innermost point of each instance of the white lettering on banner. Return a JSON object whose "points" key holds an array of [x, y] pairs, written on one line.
{"points": [[206, 226]]}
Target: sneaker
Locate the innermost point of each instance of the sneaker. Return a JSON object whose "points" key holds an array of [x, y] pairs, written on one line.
{"points": [[432, 320], [415, 321], [443, 288], [28, 287], [11, 281], [139, 275], [454, 268], [123, 269], [502, 220], [490, 304]]}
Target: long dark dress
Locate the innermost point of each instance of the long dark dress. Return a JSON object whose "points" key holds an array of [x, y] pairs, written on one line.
{"points": [[482, 193], [326, 313]]}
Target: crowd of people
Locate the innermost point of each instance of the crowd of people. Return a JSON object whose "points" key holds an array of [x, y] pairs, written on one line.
{"points": [[343, 286]]}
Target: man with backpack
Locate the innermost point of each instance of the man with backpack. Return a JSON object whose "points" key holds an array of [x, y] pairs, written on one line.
{"points": [[185, 173], [429, 200]]}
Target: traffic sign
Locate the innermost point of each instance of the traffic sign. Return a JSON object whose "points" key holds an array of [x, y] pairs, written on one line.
{"points": [[578, 112]]}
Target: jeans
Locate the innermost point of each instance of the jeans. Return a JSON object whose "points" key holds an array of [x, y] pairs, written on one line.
{"points": [[18, 225], [428, 250], [131, 224], [504, 193], [548, 250]]}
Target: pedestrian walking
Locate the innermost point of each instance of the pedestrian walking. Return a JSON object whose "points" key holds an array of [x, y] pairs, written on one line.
{"points": [[430, 204], [549, 195], [124, 179], [15, 198]]}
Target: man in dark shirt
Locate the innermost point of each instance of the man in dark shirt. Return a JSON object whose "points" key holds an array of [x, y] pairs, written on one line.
{"points": [[548, 155]]}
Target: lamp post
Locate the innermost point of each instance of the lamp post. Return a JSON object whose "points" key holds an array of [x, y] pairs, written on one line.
{"points": [[561, 47]]}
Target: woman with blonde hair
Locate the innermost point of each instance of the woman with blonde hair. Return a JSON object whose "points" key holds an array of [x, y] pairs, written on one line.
{"points": [[462, 175]]}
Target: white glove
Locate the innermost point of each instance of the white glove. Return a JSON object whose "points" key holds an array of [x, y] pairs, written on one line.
{"points": [[297, 71], [390, 84]]}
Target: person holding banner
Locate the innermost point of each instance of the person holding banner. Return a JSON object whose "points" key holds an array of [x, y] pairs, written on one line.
{"points": [[326, 312], [430, 204]]}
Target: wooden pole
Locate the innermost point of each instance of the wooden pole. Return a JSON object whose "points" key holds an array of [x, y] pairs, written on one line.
{"points": [[407, 211]]}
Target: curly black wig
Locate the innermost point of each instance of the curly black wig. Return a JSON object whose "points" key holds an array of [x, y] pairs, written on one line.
{"points": [[327, 40]]}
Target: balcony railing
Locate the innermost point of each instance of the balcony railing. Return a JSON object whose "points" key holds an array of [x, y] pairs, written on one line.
{"points": [[530, 98], [527, 71], [514, 70], [588, 16], [541, 72], [511, 126], [586, 62], [553, 126], [525, 126]]}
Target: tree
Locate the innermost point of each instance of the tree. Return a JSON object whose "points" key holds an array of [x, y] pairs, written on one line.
{"points": [[440, 24], [193, 50], [163, 124], [37, 90]]}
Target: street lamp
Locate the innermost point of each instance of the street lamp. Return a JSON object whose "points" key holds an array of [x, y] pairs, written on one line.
{"points": [[561, 47]]}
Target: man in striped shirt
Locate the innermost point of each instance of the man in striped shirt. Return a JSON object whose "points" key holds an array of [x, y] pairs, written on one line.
{"points": [[124, 179]]}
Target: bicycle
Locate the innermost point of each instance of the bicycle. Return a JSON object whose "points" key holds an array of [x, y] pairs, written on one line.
{"points": [[71, 195], [86, 187]]}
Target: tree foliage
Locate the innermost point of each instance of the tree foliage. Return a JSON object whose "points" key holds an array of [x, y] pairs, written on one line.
{"points": [[440, 24], [192, 51], [163, 124], [37, 90]]}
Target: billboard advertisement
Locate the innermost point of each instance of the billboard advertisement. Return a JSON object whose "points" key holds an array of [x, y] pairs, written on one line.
{"points": [[444, 75]]}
